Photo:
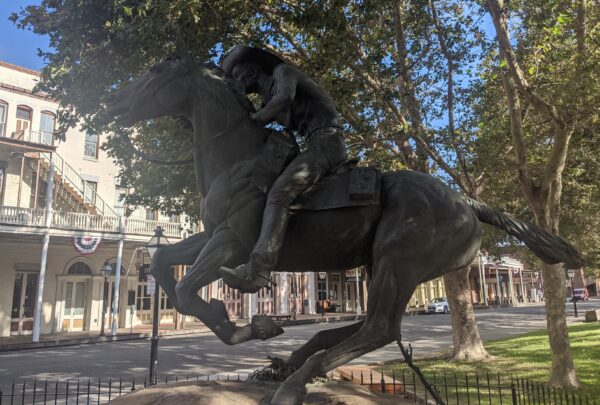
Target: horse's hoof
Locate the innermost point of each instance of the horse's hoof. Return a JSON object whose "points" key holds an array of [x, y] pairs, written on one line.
{"points": [[289, 395], [264, 328]]}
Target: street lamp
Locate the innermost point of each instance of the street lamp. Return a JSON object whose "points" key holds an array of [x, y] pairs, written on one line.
{"points": [[153, 245], [106, 272], [571, 274]]}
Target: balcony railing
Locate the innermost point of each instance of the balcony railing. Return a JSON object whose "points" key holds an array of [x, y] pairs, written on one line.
{"points": [[27, 135], [85, 222]]}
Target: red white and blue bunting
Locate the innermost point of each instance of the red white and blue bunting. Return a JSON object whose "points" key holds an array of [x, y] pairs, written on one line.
{"points": [[86, 245]]}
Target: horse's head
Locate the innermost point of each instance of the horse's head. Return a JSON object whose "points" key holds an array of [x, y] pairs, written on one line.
{"points": [[162, 90]]}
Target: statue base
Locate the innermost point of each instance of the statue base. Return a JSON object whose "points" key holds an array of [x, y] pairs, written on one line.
{"points": [[251, 393]]}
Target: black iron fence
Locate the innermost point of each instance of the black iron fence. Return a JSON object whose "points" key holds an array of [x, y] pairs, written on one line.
{"points": [[452, 389], [91, 391], [474, 389]]}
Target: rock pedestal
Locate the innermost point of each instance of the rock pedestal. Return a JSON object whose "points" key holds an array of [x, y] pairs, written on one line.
{"points": [[248, 393]]}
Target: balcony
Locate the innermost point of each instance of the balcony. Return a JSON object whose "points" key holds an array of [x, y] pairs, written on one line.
{"points": [[39, 137], [28, 141], [35, 217]]}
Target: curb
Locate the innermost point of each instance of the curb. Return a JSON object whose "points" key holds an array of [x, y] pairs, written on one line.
{"points": [[327, 319], [11, 347]]}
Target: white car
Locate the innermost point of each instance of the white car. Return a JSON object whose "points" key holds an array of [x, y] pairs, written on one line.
{"points": [[438, 305]]}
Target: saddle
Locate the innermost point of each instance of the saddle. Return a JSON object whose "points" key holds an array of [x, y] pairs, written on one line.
{"points": [[345, 186]]}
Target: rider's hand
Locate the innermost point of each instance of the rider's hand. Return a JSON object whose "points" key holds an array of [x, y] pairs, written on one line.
{"points": [[258, 118]]}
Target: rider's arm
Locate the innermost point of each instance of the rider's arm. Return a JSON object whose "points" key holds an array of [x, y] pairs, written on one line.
{"points": [[285, 79]]}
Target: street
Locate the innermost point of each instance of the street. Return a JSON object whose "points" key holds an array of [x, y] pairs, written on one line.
{"points": [[205, 354]]}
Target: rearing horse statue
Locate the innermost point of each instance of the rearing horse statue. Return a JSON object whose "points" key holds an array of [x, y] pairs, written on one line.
{"points": [[420, 230]]}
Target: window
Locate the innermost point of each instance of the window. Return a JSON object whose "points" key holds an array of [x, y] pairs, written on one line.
{"points": [[23, 118], [79, 268], [2, 185], [3, 109], [175, 219], [151, 215], [91, 145], [90, 189], [47, 121], [120, 193]]}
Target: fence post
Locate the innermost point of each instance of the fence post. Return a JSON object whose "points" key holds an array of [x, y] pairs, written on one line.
{"points": [[513, 391], [382, 382]]}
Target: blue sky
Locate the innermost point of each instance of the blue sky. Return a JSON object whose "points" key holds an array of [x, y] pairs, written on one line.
{"points": [[17, 46]]}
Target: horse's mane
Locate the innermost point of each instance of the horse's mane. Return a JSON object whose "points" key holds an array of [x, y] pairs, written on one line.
{"points": [[236, 87]]}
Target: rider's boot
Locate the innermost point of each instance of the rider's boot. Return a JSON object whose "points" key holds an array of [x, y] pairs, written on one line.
{"points": [[252, 276]]}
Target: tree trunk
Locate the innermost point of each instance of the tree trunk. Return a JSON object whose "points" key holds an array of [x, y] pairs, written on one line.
{"points": [[465, 334], [563, 368]]}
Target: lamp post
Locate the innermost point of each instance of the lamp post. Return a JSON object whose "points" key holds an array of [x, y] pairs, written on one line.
{"points": [[357, 272], [106, 271], [323, 276], [571, 274], [153, 245]]}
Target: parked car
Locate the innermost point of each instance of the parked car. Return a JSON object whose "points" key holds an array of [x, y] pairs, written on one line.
{"points": [[439, 304], [580, 294]]}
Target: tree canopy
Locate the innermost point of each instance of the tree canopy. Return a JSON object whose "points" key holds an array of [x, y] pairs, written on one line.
{"points": [[418, 84]]}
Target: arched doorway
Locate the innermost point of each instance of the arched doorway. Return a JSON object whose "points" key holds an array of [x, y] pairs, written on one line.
{"points": [[75, 285]]}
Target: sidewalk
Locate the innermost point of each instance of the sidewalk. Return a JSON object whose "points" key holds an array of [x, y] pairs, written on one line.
{"points": [[13, 343]]}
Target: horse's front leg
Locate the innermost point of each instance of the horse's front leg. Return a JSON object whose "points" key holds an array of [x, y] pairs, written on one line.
{"points": [[184, 252], [223, 249]]}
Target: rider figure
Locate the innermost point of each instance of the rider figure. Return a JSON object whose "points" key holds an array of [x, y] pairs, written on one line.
{"points": [[292, 99]]}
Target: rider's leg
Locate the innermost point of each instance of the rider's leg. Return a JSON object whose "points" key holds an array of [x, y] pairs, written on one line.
{"points": [[324, 152]]}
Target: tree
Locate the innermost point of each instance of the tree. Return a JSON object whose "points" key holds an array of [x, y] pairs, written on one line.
{"points": [[543, 121]]}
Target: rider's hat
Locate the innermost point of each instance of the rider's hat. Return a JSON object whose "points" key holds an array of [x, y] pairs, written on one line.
{"points": [[245, 54]]}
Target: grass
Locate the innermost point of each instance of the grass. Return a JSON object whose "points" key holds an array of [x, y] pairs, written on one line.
{"points": [[526, 356]]}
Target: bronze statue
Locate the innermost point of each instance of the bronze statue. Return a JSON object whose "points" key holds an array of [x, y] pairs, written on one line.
{"points": [[406, 227], [294, 100]]}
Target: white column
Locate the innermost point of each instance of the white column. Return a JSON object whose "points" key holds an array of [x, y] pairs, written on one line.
{"points": [[115, 318], [483, 283], [253, 305], [522, 287], [284, 294], [510, 285], [498, 288], [311, 293], [37, 320]]}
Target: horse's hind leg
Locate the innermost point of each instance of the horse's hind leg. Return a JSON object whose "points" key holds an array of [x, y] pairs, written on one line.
{"points": [[320, 341], [389, 293], [184, 252]]}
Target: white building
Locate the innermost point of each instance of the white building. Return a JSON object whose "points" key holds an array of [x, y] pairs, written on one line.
{"points": [[85, 203]]}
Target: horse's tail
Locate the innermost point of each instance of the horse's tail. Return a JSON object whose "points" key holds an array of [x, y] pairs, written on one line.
{"points": [[550, 248]]}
